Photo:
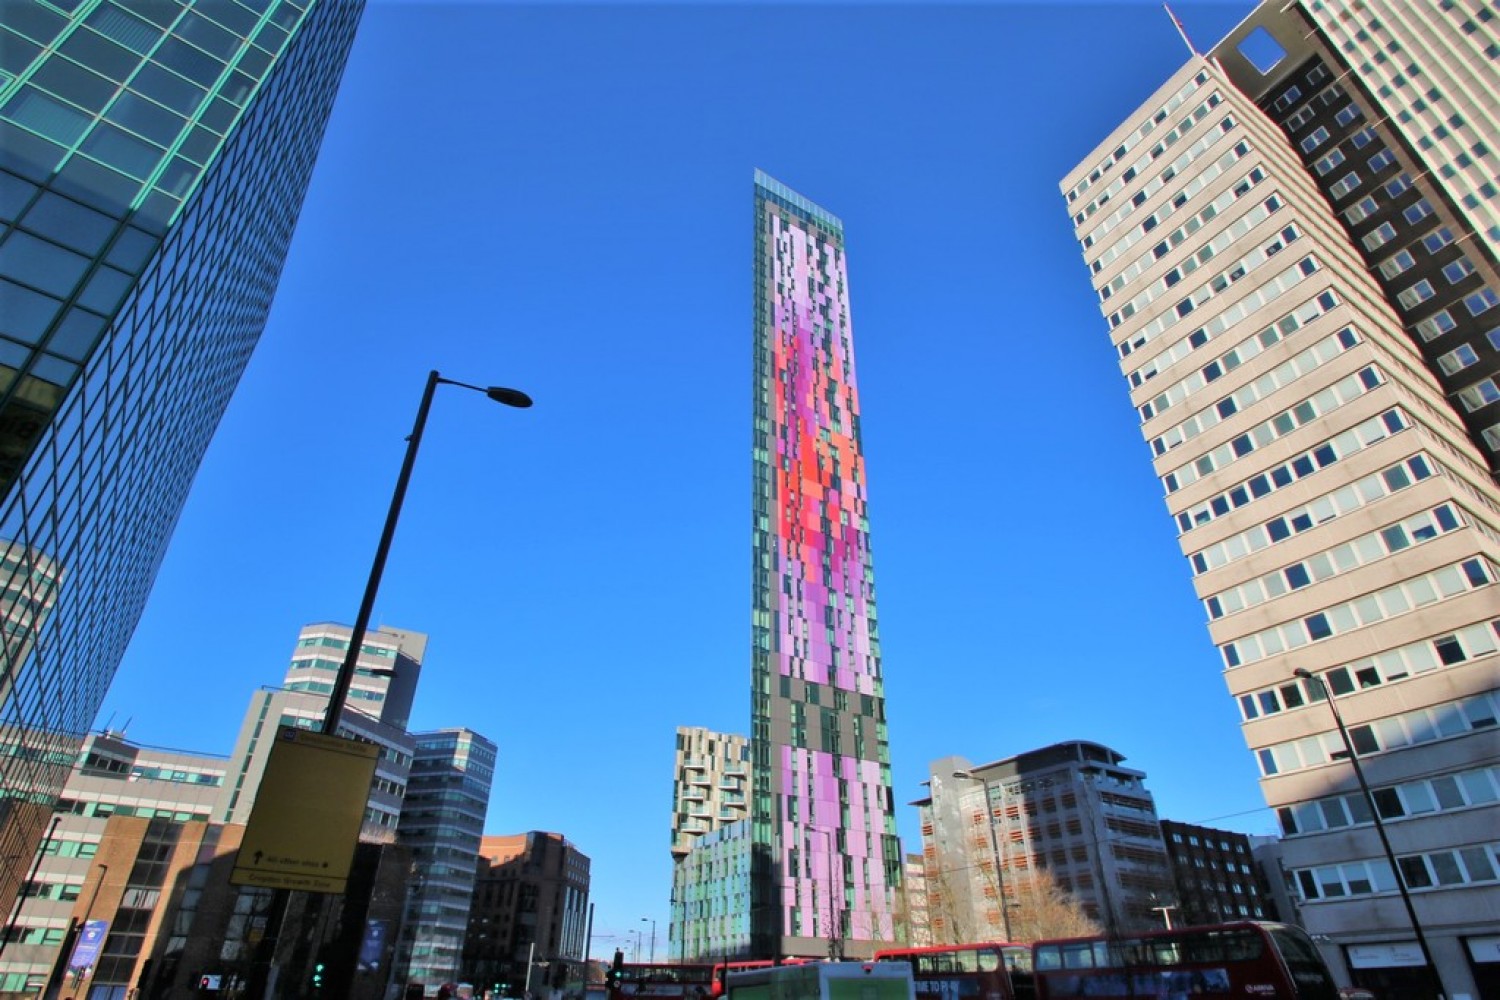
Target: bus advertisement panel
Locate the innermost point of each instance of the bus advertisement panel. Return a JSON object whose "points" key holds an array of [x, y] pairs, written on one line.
{"points": [[981, 971], [1249, 959], [823, 981]]}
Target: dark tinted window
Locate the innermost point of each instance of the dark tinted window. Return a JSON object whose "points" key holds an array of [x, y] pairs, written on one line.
{"points": [[1303, 963]]}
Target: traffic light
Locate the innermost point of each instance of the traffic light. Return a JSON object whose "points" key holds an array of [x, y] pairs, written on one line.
{"points": [[559, 973], [617, 970], [317, 976]]}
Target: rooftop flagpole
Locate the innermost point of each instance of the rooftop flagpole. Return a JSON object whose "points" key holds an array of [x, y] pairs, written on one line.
{"points": [[1180, 29]]}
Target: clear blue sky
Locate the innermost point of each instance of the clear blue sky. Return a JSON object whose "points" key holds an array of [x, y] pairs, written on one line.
{"points": [[558, 197]]}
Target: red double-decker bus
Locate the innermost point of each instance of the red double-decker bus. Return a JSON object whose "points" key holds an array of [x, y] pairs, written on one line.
{"points": [[1247, 959], [660, 981], [987, 970], [723, 969]]}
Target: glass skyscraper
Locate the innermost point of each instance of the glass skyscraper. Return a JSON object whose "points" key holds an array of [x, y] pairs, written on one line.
{"points": [[825, 860], [442, 821], [154, 155]]}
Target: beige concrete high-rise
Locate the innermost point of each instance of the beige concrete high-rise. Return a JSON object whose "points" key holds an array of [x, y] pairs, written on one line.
{"points": [[710, 784], [1294, 243], [378, 710], [1001, 841]]}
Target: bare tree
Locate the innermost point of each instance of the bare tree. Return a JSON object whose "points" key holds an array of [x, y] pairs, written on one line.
{"points": [[949, 911], [901, 922], [1039, 908]]}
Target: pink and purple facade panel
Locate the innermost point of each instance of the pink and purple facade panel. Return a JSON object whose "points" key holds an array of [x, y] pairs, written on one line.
{"points": [[822, 813]]}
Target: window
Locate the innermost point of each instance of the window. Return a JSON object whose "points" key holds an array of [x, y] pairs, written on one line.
{"points": [[1328, 162], [1344, 558], [1315, 139], [1380, 236], [1417, 212], [1436, 325], [1394, 265], [1381, 160], [1416, 294], [1355, 439], [1481, 301], [1360, 210], [1344, 185], [1437, 239], [1457, 359], [1341, 618], [1348, 114], [1340, 393], [1458, 270], [1479, 395]]}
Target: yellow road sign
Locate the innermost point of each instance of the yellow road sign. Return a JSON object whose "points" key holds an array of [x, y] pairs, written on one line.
{"points": [[307, 813]]}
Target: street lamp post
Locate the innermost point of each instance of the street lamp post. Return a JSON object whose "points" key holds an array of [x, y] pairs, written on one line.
{"points": [[652, 952], [1385, 843], [500, 394], [58, 979], [989, 822], [281, 898]]}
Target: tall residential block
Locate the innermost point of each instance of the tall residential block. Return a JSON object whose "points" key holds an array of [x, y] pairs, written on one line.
{"points": [[442, 822], [826, 861], [1294, 244], [710, 870], [154, 155], [1072, 811], [1213, 875], [710, 784], [379, 705], [385, 673], [711, 896], [531, 896]]}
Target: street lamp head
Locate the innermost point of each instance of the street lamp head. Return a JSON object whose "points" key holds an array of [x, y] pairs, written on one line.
{"points": [[1303, 673], [965, 775], [510, 397]]}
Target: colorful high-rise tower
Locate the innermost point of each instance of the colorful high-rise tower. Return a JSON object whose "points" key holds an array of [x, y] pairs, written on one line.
{"points": [[826, 860]]}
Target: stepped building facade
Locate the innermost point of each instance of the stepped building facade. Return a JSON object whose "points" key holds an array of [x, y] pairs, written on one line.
{"points": [[1294, 244]]}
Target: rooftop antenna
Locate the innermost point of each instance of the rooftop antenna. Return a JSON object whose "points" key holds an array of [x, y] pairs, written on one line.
{"points": [[1180, 29], [126, 726], [111, 721]]}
